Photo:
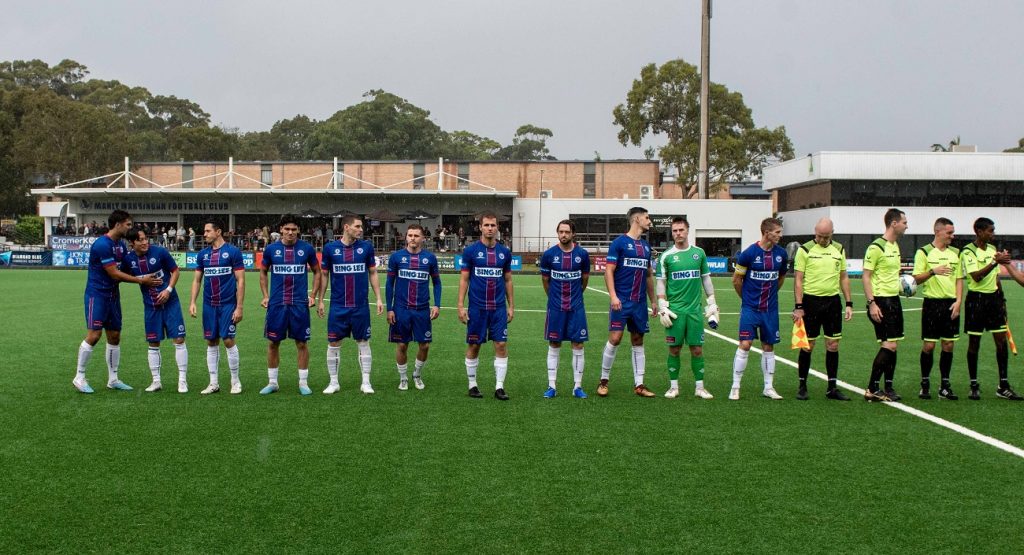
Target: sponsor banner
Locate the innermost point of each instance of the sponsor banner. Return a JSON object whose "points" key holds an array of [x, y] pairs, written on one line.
{"points": [[598, 263], [30, 258], [180, 259], [446, 262], [70, 258], [517, 262], [71, 242], [854, 266], [5, 258], [718, 264], [249, 260]]}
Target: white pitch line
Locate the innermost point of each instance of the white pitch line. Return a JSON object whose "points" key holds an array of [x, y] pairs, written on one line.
{"points": [[988, 440]]}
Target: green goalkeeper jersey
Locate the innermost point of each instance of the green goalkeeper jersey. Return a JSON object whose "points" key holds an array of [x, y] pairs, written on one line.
{"points": [[682, 271]]}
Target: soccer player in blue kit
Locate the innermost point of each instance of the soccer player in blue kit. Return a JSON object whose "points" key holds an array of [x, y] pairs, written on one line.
{"points": [[760, 271], [103, 300], [287, 301], [487, 276], [220, 271], [161, 305], [350, 266], [565, 273], [408, 298], [629, 277]]}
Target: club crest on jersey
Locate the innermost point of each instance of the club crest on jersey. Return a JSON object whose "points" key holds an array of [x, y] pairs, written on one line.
{"points": [[424, 261], [501, 256], [359, 250], [778, 259], [152, 261], [696, 256], [299, 252], [222, 255], [578, 259]]}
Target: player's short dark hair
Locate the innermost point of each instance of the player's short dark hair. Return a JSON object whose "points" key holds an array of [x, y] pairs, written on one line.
{"points": [[941, 223], [681, 220], [416, 227], [982, 223], [568, 222], [288, 219], [116, 217], [633, 212], [134, 234], [217, 226], [488, 215], [769, 224], [892, 215], [349, 219]]}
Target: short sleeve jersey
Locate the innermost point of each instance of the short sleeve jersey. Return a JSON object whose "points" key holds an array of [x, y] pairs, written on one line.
{"points": [[761, 271], [156, 261], [486, 267], [973, 259], [883, 260], [565, 271], [218, 266], [412, 275], [821, 267], [683, 271], [632, 259], [104, 253], [289, 282], [348, 267], [938, 287]]}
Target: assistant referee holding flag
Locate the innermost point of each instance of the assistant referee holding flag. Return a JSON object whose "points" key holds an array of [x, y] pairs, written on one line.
{"points": [[820, 276]]}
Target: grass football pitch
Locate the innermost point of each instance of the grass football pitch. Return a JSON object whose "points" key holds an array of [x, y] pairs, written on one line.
{"points": [[436, 471]]}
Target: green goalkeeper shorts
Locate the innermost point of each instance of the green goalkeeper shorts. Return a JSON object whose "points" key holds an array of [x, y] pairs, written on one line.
{"points": [[688, 329]]}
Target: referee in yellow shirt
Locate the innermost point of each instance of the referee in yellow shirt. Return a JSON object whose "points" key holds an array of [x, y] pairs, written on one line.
{"points": [[881, 280], [937, 270], [820, 276]]}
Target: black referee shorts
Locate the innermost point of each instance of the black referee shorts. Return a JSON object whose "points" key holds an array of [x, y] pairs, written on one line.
{"points": [[823, 313], [936, 325], [984, 312], [891, 327]]}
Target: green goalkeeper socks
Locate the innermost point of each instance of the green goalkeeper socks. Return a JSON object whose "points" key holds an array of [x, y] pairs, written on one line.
{"points": [[697, 365], [673, 367]]}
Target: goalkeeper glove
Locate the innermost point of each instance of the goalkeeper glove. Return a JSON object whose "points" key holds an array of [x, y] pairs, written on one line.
{"points": [[664, 314], [711, 312]]}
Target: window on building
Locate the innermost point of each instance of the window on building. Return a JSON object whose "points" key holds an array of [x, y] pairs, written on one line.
{"points": [[589, 180], [187, 176], [463, 177], [417, 172], [267, 174], [340, 177]]}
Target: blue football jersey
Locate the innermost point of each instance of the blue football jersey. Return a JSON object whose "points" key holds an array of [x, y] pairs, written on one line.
{"points": [[486, 267], [157, 261], [348, 267], [103, 253], [632, 259], [761, 280], [218, 267], [566, 271], [288, 265], [408, 276]]}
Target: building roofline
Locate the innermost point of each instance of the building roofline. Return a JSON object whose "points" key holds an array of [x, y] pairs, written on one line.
{"points": [[387, 162]]}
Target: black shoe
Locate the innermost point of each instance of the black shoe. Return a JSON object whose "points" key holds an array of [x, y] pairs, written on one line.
{"points": [[975, 394], [924, 393], [893, 396], [1008, 394], [474, 392], [801, 394], [500, 395], [947, 394], [876, 396], [836, 395]]}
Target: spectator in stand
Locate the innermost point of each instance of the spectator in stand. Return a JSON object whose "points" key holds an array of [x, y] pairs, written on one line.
{"points": [[191, 239]]}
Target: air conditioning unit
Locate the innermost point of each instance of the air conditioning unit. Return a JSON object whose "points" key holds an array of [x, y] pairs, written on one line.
{"points": [[646, 192], [547, 193]]}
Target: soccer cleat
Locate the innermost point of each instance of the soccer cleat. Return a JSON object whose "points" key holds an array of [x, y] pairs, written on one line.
{"points": [[403, 385], [836, 395], [236, 387], [1008, 394], [801, 394], [703, 393], [893, 396], [500, 394], [925, 393], [82, 386], [270, 388], [642, 391], [474, 392], [876, 396], [182, 386], [212, 388], [418, 382], [332, 388], [118, 385], [975, 394], [155, 386], [672, 393], [947, 394], [602, 388], [550, 393], [366, 388], [772, 394], [579, 393], [305, 390], [734, 394]]}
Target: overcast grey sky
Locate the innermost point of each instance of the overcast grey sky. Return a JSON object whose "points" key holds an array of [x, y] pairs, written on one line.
{"points": [[840, 75]]}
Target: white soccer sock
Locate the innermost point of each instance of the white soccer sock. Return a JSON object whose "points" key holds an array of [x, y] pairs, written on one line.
{"points": [[303, 377], [577, 367], [739, 364], [699, 384], [418, 368], [471, 366], [333, 358], [84, 352], [403, 371], [213, 363], [553, 353], [113, 361], [154, 362], [233, 361], [181, 359], [500, 369], [272, 376], [607, 360], [768, 368], [674, 384], [365, 360], [639, 364]]}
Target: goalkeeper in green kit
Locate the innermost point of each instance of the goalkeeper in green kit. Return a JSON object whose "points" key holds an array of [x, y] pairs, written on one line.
{"points": [[683, 278]]}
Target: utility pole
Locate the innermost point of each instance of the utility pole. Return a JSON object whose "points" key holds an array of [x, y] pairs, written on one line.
{"points": [[705, 86]]}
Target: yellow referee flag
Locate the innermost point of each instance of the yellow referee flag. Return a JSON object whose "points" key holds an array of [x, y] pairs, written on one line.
{"points": [[799, 340], [1009, 340]]}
